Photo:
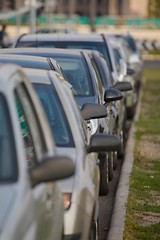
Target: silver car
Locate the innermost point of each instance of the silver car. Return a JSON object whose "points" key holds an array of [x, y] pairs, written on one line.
{"points": [[31, 206], [81, 191]]}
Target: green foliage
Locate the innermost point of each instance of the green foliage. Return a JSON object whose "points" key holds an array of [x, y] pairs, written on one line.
{"points": [[154, 8]]}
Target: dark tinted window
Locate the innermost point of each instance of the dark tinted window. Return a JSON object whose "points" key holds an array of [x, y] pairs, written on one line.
{"points": [[8, 163], [55, 114], [46, 44]]}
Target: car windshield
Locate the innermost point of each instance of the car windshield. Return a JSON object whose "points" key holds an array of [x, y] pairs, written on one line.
{"points": [[77, 75], [8, 163], [55, 114]]}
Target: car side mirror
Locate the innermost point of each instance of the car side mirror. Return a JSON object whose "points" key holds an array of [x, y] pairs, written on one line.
{"points": [[130, 71], [52, 169], [123, 86], [93, 111], [112, 94], [103, 143]]}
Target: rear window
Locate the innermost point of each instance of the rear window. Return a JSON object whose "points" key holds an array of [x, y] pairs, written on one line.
{"points": [[8, 163]]}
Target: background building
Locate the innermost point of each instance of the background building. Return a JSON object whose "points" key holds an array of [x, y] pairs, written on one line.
{"points": [[138, 8]]}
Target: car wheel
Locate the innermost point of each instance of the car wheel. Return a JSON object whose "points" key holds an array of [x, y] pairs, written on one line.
{"points": [[110, 167], [130, 112], [94, 230], [104, 188], [115, 158], [123, 137]]}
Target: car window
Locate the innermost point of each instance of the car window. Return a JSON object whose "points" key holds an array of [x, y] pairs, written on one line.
{"points": [[107, 79], [45, 44], [76, 109], [131, 42], [26, 135], [55, 114], [100, 46], [8, 163], [31, 133], [117, 58], [98, 77], [77, 75]]}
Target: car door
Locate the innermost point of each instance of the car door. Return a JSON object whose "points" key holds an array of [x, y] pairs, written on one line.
{"points": [[47, 203], [91, 169]]}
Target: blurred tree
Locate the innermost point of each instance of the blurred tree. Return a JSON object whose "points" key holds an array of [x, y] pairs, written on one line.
{"points": [[154, 8]]}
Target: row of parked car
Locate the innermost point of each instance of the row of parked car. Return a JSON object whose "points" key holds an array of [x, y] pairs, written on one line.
{"points": [[65, 103]]}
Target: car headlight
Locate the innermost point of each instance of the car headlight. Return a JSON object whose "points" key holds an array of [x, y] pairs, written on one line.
{"points": [[67, 200], [94, 125]]}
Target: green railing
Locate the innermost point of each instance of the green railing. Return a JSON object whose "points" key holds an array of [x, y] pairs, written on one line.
{"points": [[106, 21]]}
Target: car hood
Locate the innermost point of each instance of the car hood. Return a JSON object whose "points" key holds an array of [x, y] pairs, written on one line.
{"points": [[83, 100], [67, 184], [7, 196]]}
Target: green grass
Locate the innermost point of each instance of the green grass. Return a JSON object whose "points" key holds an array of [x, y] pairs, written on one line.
{"points": [[144, 192]]}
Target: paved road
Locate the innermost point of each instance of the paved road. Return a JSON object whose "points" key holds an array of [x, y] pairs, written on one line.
{"points": [[106, 203]]}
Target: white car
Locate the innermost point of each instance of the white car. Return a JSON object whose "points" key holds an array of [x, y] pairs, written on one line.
{"points": [[71, 136], [122, 55], [31, 204]]}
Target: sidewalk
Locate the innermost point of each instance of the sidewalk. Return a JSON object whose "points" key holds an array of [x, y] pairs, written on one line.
{"points": [[15, 31]]}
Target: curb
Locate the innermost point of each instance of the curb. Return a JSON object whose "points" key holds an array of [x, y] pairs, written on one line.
{"points": [[121, 197], [150, 57]]}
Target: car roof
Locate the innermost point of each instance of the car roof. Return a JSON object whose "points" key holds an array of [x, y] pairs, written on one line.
{"points": [[59, 36], [25, 61], [5, 74], [76, 53], [40, 75]]}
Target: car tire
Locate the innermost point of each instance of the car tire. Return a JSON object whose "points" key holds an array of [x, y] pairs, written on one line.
{"points": [[104, 186], [115, 158], [94, 230], [123, 137], [110, 167], [130, 112]]}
